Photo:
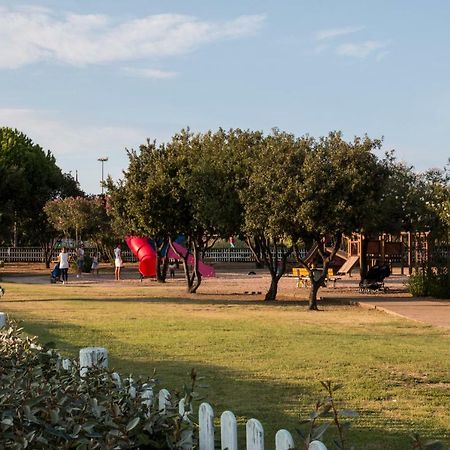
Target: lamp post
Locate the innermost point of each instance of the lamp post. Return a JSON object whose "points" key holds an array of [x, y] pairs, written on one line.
{"points": [[102, 160]]}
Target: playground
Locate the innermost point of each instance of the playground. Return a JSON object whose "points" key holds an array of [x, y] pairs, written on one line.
{"points": [[395, 370]]}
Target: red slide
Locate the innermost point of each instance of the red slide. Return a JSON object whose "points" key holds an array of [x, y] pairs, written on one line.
{"points": [[145, 253]]}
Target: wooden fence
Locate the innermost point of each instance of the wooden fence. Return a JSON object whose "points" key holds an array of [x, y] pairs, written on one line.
{"points": [[97, 356]]}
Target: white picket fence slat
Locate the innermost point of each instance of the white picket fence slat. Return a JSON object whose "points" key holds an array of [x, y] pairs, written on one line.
{"points": [[206, 427], [283, 440], [255, 435], [316, 445], [163, 400], [228, 431]]}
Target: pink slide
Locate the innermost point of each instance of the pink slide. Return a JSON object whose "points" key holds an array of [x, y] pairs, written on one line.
{"points": [[145, 253], [205, 270]]}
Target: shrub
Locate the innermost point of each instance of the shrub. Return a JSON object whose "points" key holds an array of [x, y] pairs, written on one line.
{"points": [[87, 264], [43, 406], [434, 284]]}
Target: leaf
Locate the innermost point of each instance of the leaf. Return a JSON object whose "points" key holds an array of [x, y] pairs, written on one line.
{"points": [[54, 416], [434, 445], [348, 413], [7, 421], [133, 423], [320, 430]]}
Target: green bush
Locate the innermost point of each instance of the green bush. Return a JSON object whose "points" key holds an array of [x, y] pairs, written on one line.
{"points": [[87, 264], [43, 406], [434, 284]]}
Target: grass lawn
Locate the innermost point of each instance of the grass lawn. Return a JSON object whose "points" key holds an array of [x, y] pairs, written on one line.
{"points": [[262, 361]]}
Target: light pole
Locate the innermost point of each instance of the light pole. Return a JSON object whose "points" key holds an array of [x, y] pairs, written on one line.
{"points": [[102, 160]]}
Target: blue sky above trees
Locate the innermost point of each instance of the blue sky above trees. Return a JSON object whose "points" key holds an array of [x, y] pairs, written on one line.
{"points": [[87, 79]]}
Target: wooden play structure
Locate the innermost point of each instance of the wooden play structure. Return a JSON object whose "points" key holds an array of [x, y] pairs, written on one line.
{"points": [[407, 251]]}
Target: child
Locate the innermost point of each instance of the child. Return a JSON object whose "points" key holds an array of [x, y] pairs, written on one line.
{"points": [[172, 267], [94, 266]]}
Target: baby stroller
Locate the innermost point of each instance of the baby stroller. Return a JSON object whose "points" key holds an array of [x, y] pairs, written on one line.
{"points": [[374, 281], [55, 274]]}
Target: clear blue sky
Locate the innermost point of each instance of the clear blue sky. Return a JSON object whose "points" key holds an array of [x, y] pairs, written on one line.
{"points": [[86, 79]]}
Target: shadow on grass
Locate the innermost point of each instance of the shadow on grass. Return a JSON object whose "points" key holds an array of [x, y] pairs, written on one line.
{"points": [[277, 404], [206, 299]]}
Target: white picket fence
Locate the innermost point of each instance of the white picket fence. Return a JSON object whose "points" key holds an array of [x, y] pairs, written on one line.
{"points": [[98, 357], [94, 356]]}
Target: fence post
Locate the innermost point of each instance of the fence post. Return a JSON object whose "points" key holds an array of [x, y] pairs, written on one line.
{"points": [[2, 320], [228, 431], [187, 440], [206, 427], [131, 389], [147, 396], [164, 401], [92, 357], [255, 435], [66, 364], [116, 380], [316, 445], [283, 440]]}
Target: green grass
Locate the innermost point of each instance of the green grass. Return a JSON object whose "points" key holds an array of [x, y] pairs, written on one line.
{"points": [[259, 360]]}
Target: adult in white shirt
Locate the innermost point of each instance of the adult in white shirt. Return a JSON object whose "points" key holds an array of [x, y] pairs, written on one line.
{"points": [[63, 259], [118, 263]]}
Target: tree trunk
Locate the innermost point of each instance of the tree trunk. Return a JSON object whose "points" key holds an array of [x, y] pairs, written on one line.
{"points": [[197, 276], [271, 294], [312, 300], [161, 267]]}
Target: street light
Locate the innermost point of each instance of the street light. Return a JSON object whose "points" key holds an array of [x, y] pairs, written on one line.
{"points": [[102, 160]]}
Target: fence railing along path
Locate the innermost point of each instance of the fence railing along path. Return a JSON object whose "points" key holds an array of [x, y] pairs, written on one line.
{"points": [[214, 255]]}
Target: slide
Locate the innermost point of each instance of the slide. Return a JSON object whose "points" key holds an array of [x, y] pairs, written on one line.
{"points": [[145, 253], [205, 270]]}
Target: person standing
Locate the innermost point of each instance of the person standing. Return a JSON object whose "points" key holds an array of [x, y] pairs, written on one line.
{"points": [[172, 268], [95, 263], [80, 259], [118, 261], [63, 259]]}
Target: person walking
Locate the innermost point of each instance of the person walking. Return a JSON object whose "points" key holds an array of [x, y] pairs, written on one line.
{"points": [[63, 259], [118, 263], [80, 259]]}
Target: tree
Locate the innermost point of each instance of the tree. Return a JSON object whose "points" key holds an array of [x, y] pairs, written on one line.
{"points": [[82, 217], [29, 177], [179, 189], [270, 199], [337, 187]]}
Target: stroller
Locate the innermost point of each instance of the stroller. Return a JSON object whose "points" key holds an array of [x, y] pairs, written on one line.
{"points": [[374, 281], [55, 274]]}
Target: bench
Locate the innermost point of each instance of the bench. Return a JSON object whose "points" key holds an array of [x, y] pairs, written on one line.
{"points": [[303, 279]]}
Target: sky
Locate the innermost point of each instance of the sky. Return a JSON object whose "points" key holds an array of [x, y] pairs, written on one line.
{"points": [[90, 79]]}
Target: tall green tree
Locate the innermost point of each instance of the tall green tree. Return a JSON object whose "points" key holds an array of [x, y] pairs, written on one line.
{"points": [[180, 189], [29, 177], [81, 218], [338, 186], [270, 198]]}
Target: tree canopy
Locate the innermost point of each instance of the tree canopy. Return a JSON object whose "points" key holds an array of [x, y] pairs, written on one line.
{"points": [[29, 177]]}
